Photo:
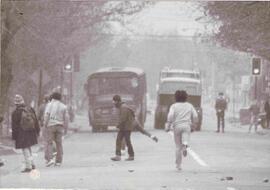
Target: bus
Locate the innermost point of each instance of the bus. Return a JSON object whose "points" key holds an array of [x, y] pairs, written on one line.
{"points": [[102, 85], [165, 97]]}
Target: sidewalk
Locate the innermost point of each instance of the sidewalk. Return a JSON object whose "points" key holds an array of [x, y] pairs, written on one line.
{"points": [[232, 122], [7, 144]]}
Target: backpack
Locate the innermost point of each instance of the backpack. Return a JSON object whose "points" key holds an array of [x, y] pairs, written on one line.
{"points": [[28, 119]]}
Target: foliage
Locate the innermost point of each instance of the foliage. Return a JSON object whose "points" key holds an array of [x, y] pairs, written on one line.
{"points": [[243, 26], [44, 34]]}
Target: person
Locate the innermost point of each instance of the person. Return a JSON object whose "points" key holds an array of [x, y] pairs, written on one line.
{"points": [[71, 113], [1, 120], [127, 122], [267, 111], [25, 133], [254, 116], [1, 127], [1, 162], [181, 116], [44, 129], [56, 122], [220, 106]]}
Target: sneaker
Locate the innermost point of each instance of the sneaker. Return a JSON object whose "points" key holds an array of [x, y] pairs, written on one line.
{"points": [[50, 163], [116, 158], [178, 168], [130, 158], [185, 151], [26, 170], [57, 164]]}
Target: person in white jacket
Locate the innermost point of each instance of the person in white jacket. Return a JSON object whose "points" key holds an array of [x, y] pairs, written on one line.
{"points": [[180, 117]]}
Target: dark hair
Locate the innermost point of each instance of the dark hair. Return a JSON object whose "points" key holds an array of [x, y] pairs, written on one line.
{"points": [[117, 98], [180, 96], [56, 96], [221, 94], [46, 98]]}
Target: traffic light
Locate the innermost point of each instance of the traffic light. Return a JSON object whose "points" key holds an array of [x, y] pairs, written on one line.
{"points": [[68, 67], [256, 66]]}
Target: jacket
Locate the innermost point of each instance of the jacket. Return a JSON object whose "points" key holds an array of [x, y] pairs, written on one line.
{"points": [[126, 118], [56, 114], [23, 139], [221, 104], [182, 114]]}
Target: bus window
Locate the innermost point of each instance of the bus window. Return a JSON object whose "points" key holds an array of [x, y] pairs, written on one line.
{"points": [[93, 87], [134, 82]]}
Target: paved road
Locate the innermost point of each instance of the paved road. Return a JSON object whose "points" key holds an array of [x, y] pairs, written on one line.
{"points": [[214, 159]]}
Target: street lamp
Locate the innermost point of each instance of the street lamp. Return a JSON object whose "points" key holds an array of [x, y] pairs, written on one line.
{"points": [[68, 67]]}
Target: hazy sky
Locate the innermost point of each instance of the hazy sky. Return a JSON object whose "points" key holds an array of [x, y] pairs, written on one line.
{"points": [[166, 18]]}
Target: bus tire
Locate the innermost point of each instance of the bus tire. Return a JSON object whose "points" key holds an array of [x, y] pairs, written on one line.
{"points": [[159, 123], [199, 127], [95, 128]]}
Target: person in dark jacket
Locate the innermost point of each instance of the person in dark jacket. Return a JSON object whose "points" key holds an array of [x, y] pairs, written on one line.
{"points": [[24, 139], [220, 106], [254, 115], [267, 111], [127, 121]]}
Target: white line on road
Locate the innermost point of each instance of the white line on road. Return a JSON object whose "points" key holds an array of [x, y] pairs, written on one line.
{"points": [[194, 155], [230, 188]]}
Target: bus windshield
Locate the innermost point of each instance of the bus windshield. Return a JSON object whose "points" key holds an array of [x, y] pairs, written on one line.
{"points": [[113, 85], [171, 87], [179, 74]]}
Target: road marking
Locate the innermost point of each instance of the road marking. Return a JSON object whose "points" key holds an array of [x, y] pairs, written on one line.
{"points": [[194, 155], [230, 188]]}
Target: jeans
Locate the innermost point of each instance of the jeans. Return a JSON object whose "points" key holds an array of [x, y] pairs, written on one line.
{"points": [[220, 120], [120, 136], [181, 139], [55, 134], [28, 157]]}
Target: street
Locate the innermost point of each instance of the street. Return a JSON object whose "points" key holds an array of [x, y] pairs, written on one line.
{"points": [[233, 160]]}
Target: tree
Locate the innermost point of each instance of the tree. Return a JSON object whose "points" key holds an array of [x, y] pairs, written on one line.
{"points": [[243, 26], [43, 34]]}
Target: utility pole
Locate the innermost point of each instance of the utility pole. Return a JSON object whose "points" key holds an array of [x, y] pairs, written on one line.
{"points": [[71, 87], [255, 87], [40, 87], [213, 74]]}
